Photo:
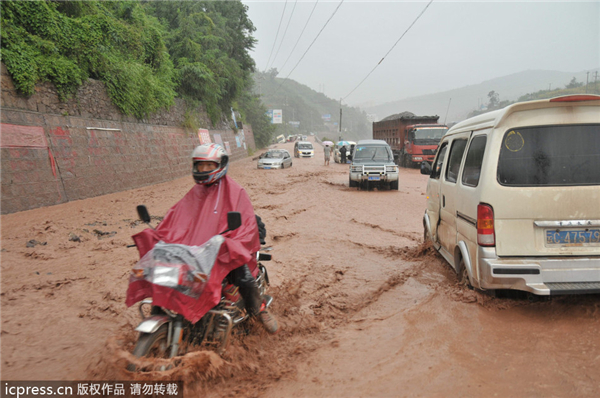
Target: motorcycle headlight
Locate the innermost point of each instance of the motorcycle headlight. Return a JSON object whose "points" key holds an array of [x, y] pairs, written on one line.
{"points": [[166, 276]]}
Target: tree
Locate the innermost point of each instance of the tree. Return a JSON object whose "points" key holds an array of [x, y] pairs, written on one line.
{"points": [[254, 112], [66, 43], [209, 42], [573, 84], [494, 99]]}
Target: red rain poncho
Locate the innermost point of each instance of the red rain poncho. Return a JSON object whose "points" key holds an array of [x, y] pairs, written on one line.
{"points": [[201, 214]]}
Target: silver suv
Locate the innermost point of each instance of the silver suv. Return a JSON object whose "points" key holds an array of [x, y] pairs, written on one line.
{"points": [[373, 166]]}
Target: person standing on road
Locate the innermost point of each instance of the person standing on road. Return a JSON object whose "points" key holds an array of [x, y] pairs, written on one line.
{"points": [[343, 153], [327, 152]]}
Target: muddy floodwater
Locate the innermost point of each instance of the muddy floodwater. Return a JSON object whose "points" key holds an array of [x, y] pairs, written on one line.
{"points": [[366, 309]]}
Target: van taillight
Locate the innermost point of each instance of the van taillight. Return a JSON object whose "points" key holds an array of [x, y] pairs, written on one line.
{"points": [[485, 225]]}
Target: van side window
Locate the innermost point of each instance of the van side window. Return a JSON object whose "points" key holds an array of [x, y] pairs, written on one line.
{"points": [[474, 160], [439, 161], [456, 154]]}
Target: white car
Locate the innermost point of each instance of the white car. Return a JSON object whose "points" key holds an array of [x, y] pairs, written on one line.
{"points": [[304, 149], [275, 159], [337, 156]]}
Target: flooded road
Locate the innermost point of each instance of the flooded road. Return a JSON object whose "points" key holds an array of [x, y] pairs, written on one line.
{"points": [[366, 309]]}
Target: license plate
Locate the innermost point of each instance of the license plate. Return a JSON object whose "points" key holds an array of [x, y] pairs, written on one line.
{"points": [[373, 178], [266, 167], [573, 237]]}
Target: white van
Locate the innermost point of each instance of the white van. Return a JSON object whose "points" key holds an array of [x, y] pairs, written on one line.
{"points": [[513, 198]]}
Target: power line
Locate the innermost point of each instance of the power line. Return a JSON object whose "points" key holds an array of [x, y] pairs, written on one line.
{"points": [[390, 50], [277, 34], [284, 32], [311, 44], [301, 33]]}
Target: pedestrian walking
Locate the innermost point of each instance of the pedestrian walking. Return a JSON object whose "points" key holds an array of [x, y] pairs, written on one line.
{"points": [[327, 152]]}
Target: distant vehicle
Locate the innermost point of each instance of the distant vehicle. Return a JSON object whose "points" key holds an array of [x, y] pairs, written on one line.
{"points": [[304, 138], [413, 139], [513, 197], [304, 149], [373, 166], [281, 139], [275, 159]]}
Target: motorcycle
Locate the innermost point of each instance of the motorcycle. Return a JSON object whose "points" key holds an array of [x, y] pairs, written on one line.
{"points": [[164, 333]]}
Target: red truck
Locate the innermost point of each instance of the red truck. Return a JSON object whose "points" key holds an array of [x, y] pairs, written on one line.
{"points": [[413, 139]]}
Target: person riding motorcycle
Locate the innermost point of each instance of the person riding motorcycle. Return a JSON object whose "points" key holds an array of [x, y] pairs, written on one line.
{"points": [[201, 214]]}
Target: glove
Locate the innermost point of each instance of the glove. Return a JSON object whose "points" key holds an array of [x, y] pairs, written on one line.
{"points": [[262, 230]]}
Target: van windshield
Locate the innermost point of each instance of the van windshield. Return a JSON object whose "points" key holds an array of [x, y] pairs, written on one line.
{"points": [[377, 153], [305, 146], [550, 155]]}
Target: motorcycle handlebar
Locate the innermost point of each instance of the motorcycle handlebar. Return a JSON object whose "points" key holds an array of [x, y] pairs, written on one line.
{"points": [[264, 257]]}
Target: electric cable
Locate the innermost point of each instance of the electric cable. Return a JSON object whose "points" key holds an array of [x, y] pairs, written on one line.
{"points": [[284, 33], [301, 33], [277, 34], [311, 44], [390, 50]]}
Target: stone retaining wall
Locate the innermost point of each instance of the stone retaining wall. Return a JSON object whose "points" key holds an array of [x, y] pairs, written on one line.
{"points": [[54, 152]]}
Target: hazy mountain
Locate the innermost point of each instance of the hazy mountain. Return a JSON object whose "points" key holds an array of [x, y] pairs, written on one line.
{"points": [[455, 105]]}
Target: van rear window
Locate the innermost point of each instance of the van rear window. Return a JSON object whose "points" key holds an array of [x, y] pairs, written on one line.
{"points": [[550, 155]]}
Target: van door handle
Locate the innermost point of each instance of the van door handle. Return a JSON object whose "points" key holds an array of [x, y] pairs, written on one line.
{"points": [[443, 200]]}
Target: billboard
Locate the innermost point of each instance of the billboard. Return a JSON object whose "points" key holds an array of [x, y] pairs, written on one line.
{"points": [[326, 118], [277, 116]]}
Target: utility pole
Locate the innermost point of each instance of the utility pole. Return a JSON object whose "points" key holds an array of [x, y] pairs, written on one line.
{"points": [[587, 79], [447, 110], [340, 119]]}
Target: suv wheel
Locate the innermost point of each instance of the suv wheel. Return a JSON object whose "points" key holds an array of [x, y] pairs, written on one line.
{"points": [[394, 185]]}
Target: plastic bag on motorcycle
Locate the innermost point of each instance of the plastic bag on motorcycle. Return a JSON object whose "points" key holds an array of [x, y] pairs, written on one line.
{"points": [[183, 268]]}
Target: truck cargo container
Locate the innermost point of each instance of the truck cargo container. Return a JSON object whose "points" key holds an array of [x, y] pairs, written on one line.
{"points": [[413, 139]]}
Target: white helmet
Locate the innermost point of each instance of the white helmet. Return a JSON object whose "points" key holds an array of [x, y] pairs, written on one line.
{"points": [[209, 153]]}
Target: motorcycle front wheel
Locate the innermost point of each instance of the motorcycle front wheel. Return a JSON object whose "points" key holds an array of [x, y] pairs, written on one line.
{"points": [[152, 345]]}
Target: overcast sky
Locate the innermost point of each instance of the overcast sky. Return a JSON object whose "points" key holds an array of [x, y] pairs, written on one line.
{"points": [[451, 45]]}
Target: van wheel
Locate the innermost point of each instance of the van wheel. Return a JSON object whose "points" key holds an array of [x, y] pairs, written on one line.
{"points": [[463, 275]]}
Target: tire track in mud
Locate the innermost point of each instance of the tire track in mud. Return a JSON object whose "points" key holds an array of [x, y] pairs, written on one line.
{"points": [[408, 235], [290, 215]]}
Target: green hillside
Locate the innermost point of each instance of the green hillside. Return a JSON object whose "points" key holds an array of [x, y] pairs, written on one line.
{"points": [[146, 53], [304, 105]]}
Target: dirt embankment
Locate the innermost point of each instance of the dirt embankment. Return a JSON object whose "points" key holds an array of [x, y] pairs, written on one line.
{"points": [[366, 309]]}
